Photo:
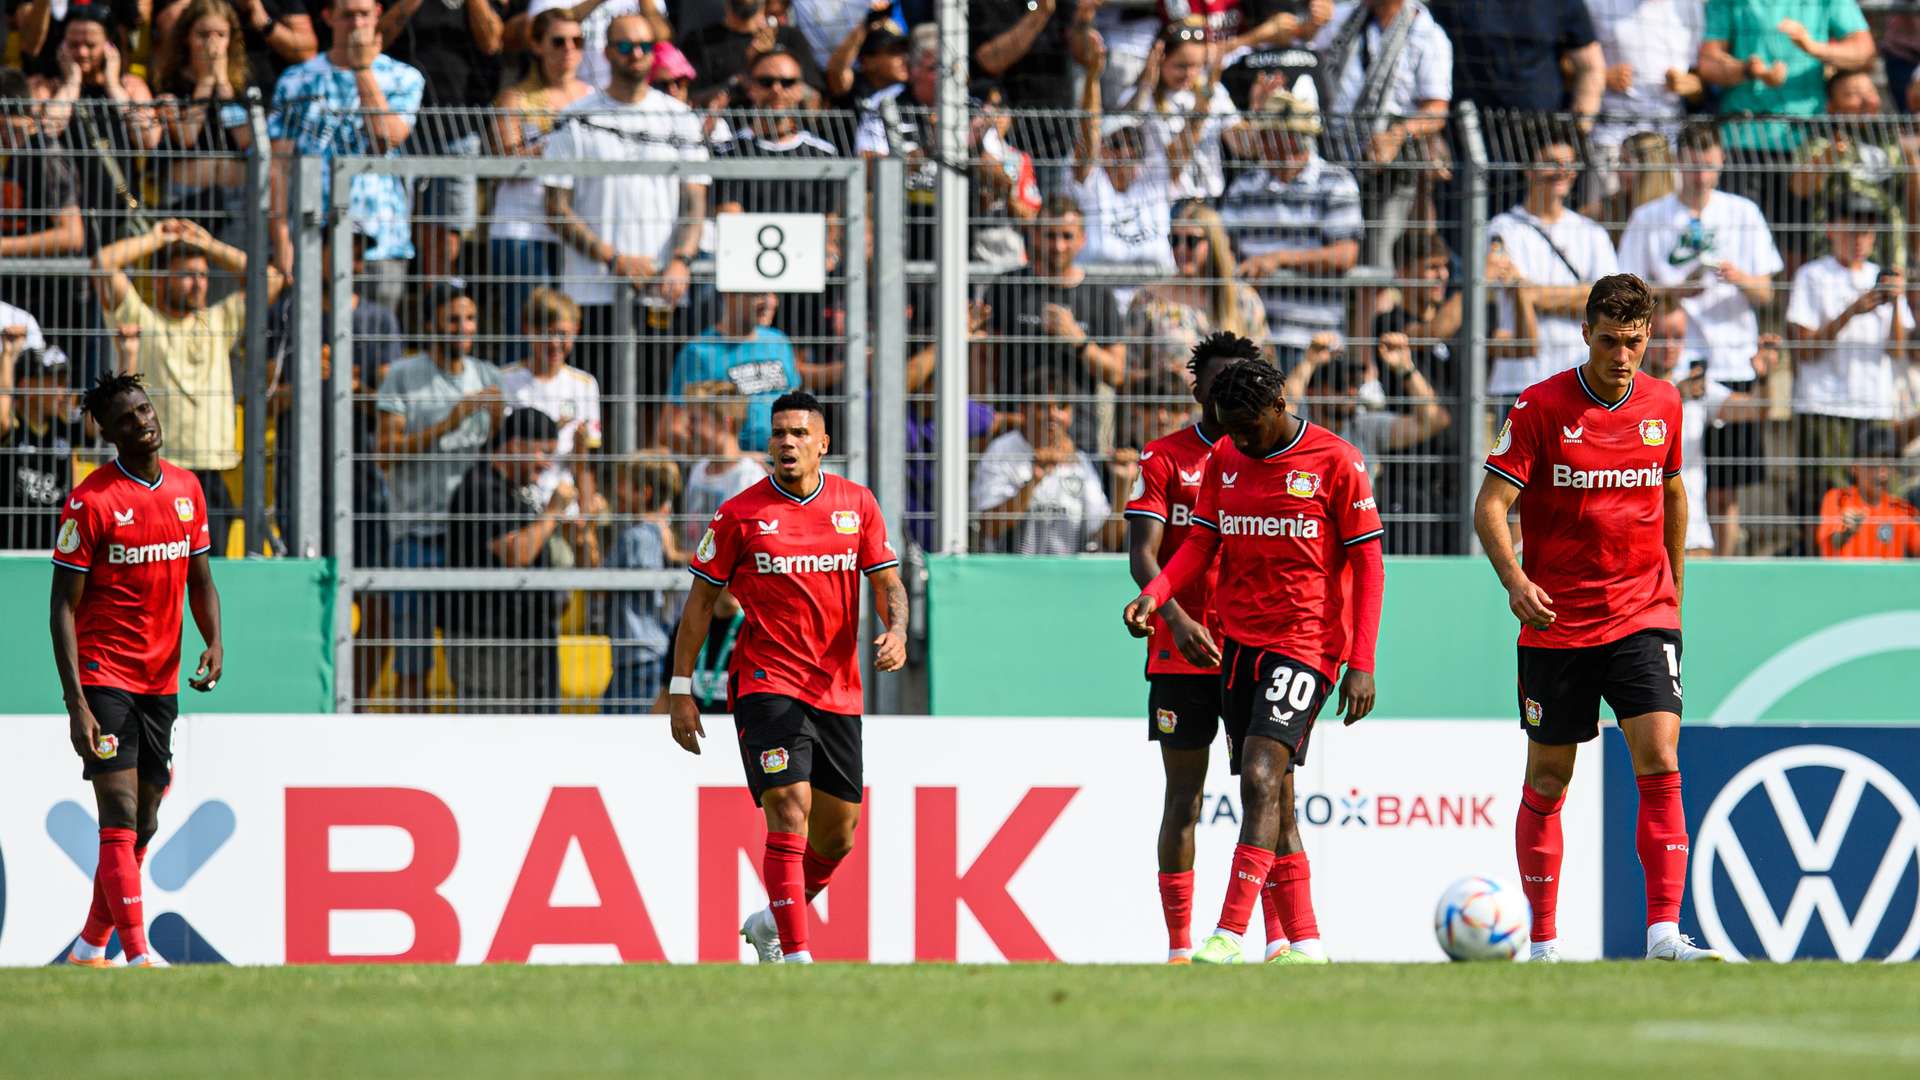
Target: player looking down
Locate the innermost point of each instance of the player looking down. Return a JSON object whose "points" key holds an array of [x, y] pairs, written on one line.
{"points": [[792, 550], [1287, 506], [1592, 455], [133, 537]]}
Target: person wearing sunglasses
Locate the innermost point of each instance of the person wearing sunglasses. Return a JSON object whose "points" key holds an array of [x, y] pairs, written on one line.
{"points": [[595, 18], [521, 249]]}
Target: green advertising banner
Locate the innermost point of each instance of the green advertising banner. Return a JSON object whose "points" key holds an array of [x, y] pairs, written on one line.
{"points": [[276, 617], [1777, 641]]}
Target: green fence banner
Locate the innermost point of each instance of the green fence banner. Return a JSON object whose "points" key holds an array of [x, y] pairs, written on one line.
{"points": [[276, 618], [1784, 641]]}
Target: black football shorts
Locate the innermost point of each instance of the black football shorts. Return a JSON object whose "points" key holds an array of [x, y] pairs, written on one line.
{"points": [[139, 728], [1560, 689], [784, 740], [1269, 694], [1183, 711]]}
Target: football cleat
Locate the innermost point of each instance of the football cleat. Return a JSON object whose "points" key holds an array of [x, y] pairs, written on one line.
{"points": [[148, 960], [1218, 949], [1681, 947], [95, 962], [1179, 956], [763, 935], [1548, 954], [1295, 956]]}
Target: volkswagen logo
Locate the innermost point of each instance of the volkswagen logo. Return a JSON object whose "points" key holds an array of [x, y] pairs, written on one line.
{"points": [[1802, 874]]}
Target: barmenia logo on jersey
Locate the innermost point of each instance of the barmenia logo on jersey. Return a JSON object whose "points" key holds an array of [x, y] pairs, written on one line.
{"points": [[804, 564], [1166, 720], [846, 521], [775, 760], [1567, 476], [1249, 525], [130, 555], [1653, 432], [1303, 484]]}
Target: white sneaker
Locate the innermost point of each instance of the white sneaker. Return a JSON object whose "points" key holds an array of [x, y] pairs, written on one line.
{"points": [[763, 935], [1548, 953], [1681, 947]]}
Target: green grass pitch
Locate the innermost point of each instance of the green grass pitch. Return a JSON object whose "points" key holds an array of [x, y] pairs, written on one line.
{"points": [[1605, 1020]]}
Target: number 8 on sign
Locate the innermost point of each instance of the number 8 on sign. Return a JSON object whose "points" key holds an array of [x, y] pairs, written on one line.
{"points": [[770, 253], [760, 253]]}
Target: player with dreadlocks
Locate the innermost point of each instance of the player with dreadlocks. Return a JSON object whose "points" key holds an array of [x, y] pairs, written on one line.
{"points": [[133, 537], [1288, 508]]}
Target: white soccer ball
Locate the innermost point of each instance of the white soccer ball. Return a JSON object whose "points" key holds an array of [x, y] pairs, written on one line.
{"points": [[1478, 918]]}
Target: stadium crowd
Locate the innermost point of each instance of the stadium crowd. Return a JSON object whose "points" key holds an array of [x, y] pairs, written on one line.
{"points": [[1141, 175]]}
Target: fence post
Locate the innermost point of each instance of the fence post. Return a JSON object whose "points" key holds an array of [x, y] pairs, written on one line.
{"points": [[340, 390], [307, 333], [858, 339], [1473, 326], [889, 455], [626, 365], [951, 203], [253, 451]]}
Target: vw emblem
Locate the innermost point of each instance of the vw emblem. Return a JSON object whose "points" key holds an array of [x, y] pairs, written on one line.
{"points": [[1781, 930]]}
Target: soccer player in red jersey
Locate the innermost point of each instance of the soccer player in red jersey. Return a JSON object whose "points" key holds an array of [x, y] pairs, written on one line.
{"points": [[133, 536], [792, 550], [1288, 507], [1592, 455], [1183, 661]]}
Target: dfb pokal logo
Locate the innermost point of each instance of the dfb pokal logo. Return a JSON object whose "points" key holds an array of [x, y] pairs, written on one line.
{"points": [[1736, 838]]}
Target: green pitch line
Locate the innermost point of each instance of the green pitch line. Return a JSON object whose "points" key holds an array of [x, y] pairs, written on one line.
{"points": [[1635, 1020]]}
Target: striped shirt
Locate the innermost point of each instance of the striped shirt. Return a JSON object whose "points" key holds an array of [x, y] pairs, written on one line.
{"points": [[1264, 214]]}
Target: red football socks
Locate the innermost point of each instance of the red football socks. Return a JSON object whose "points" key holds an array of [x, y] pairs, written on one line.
{"points": [[1270, 906], [117, 878], [1291, 883], [817, 870], [1661, 838], [1538, 846], [1250, 866], [786, 888], [1176, 904], [99, 926]]}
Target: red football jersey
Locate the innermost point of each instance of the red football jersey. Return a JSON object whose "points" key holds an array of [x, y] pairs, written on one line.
{"points": [[795, 565], [1285, 523], [1592, 511], [1171, 469], [132, 539]]}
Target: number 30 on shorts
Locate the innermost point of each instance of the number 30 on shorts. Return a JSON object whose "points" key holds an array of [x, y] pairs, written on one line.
{"points": [[1290, 687]]}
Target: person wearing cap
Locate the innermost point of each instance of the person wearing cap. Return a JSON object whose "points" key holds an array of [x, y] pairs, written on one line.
{"points": [[882, 54], [500, 644], [38, 435], [1849, 322], [673, 76], [1866, 520], [721, 51], [1294, 215], [438, 409], [1121, 189]]}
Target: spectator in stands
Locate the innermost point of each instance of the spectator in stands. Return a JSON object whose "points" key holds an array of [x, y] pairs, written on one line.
{"points": [[596, 19], [270, 35], [1295, 215], [1390, 68], [881, 51], [644, 490], [438, 409], [1031, 46], [1649, 47], [1121, 190], [1771, 61], [673, 76], [41, 26], [1275, 48], [824, 23], [1713, 253], [457, 48], [643, 231], [40, 218], [715, 412], [740, 348], [1555, 255], [1867, 156], [186, 348], [569, 396], [1005, 187], [38, 435], [500, 645], [1643, 170], [721, 51], [89, 67], [1163, 405], [1343, 395], [1049, 316], [774, 90], [1849, 323], [1866, 520], [351, 100], [1187, 110], [521, 249], [899, 122], [200, 72], [713, 664], [1168, 318], [1425, 319], [1035, 492], [1429, 310]]}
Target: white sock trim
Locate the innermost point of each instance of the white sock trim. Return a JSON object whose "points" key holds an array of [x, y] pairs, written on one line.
{"points": [[1224, 932], [86, 950], [1661, 931], [1312, 946], [801, 957], [1541, 948], [1276, 947]]}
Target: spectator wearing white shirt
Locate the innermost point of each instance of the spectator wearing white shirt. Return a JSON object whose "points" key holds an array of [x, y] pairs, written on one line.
{"points": [[1390, 70], [1034, 491], [569, 396], [1186, 111], [1849, 322], [714, 414], [1121, 191], [1713, 252], [1555, 256], [1649, 48], [643, 231]]}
